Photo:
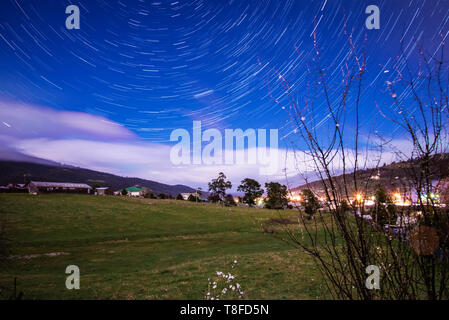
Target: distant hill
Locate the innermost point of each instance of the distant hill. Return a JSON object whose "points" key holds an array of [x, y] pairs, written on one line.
{"points": [[392, 177], [21, 172], [7, 154]]}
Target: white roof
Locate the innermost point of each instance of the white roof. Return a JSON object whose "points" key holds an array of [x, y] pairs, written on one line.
{"points": [[60, 184]]}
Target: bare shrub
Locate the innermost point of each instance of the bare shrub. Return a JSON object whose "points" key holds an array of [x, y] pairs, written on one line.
{"points": [[342, 238]]}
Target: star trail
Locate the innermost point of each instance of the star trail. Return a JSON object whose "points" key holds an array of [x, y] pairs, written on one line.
{"points": [[154, 66]]}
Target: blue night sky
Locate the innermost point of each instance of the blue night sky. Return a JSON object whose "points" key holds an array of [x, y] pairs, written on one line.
{"points": [[149, 67]]}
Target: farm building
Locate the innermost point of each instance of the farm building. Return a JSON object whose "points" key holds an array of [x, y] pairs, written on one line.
{"points": [[134, 191], [13, 188], [102, 191], [36, 187], [186, 196]]}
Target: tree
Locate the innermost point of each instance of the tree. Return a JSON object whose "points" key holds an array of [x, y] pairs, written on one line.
{"points": [[384, 211], [124, 192], [218, 187], [162, 196], [199, 192], [276, 196], [344, 206], [252, 191], [381, 196], [179, 197], [229, 200], [213, 198], [310, 202]]}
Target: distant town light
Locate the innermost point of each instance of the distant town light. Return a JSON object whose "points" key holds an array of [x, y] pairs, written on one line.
{"points": [[295, 198]]}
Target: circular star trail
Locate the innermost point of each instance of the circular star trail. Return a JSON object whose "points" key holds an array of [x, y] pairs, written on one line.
{"points": [[154, 66]]}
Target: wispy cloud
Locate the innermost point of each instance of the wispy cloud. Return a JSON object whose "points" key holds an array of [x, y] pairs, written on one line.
{"points": [[24, 121]]}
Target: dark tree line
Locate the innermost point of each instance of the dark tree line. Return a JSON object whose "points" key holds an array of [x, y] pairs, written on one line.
{"points": [[276, 193]]}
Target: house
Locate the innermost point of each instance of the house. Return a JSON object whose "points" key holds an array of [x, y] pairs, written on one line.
{"points": [[13, 188], [186, 195], [36, 187], [102, 191], [16, 185], [134, 191]]}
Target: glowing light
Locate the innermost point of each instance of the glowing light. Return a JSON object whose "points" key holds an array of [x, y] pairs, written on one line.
{"points": [[295, 198], [399, 201]]}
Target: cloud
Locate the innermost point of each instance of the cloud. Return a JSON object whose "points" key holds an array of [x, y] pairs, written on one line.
{"points": [[25, 121], [132, 158], [152, 161], [96, 143]]}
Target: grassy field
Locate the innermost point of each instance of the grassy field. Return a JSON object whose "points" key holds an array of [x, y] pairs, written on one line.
{"points": [[146, 249]]}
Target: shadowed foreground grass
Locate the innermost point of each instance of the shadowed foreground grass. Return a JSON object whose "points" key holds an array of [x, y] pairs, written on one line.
{"points": [[146, 249]]}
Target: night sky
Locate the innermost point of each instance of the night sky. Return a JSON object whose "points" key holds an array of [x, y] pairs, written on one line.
{"points": [[153, 66]]}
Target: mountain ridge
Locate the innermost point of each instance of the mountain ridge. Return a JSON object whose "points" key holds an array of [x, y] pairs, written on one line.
{"points": [[12, 171], [392, 176]]}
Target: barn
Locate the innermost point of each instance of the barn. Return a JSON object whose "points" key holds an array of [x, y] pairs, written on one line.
{"points": [[36, 187]]}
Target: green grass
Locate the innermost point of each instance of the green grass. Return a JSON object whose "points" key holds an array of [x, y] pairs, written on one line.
{"points": [[147, 249]]}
